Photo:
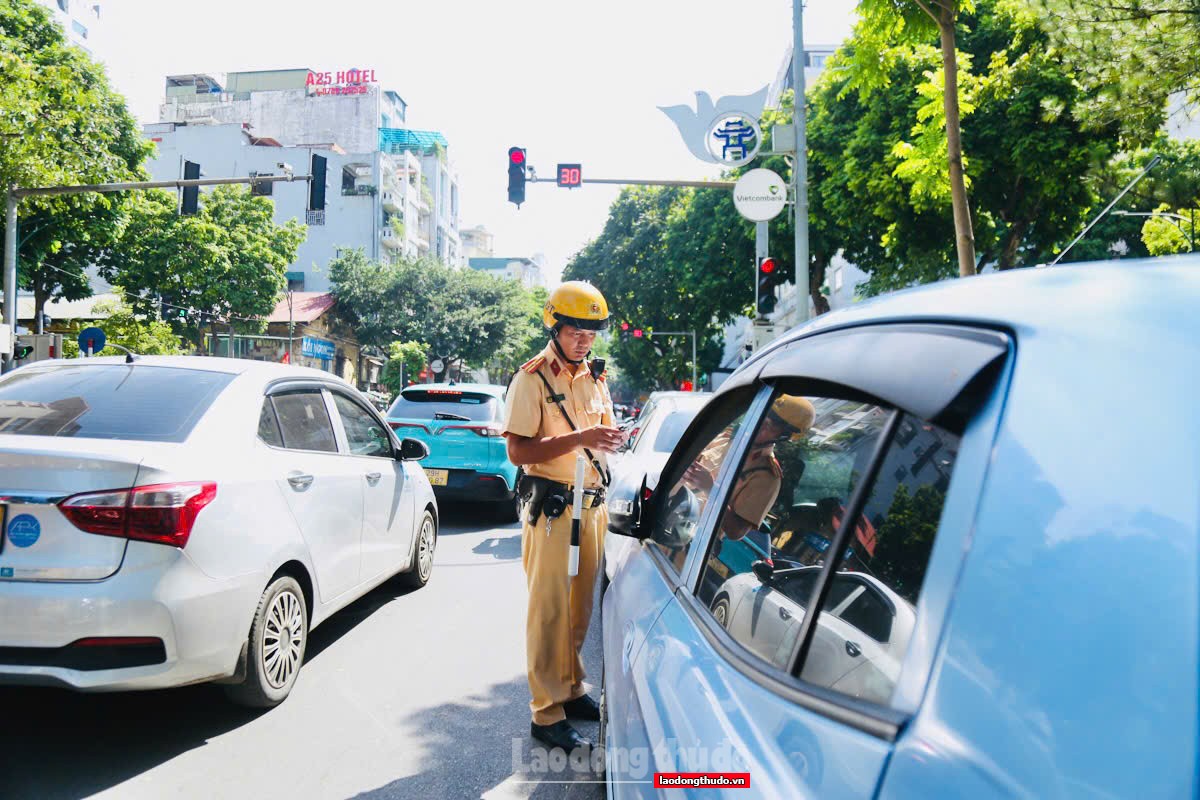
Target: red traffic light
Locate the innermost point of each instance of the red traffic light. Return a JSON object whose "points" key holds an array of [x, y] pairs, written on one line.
{"points": [[624, 326], [516, 155], [766, 266], [637, 333], [685, 386]]}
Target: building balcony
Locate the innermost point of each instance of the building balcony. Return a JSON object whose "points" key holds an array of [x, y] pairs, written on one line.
{"points": [[393, 202], [390, 239]]}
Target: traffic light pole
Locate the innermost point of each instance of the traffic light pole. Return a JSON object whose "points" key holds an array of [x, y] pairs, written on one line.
{"points": [[15, 194]]}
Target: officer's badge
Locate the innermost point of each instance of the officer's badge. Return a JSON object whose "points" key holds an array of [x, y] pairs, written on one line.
{"points": [[595, 308], [555, 368]]}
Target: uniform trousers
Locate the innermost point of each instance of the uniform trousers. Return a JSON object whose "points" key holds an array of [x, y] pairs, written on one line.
{"points": [[560, 608]]}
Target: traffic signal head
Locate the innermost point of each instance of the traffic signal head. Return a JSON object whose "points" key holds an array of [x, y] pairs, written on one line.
{"points": [[516, 175], [22, 351], [316, 187], [191, 194], [624, 330], [765, 290]]}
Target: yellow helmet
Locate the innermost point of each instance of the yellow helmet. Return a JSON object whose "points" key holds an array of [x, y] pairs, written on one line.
{"points": [[795, 411], [576, 303]]}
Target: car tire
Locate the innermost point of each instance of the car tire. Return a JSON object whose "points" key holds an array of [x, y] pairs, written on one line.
{"points": [[720, 610], [272, 664], [421, 569]]}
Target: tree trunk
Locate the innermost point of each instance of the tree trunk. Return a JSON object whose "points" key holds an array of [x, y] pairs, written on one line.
{"points": [[964, 237], [1012, 243], [40, 297], [815, 280]]}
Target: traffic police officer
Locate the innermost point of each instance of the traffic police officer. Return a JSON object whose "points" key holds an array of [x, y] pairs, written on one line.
{"points": [[559, 407]]}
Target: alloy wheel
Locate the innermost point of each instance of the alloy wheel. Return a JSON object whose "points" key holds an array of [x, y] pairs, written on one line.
{"points": [[283, 639]]}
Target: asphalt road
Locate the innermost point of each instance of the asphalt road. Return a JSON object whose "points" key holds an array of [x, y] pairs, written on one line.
{"points": [[403, 695]]}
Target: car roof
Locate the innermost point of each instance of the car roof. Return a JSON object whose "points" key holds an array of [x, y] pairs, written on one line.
{"points": [[265, 370], [482, 388]]}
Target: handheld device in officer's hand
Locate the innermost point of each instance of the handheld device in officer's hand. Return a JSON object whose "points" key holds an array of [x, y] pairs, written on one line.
{"points": [[576, 516]]}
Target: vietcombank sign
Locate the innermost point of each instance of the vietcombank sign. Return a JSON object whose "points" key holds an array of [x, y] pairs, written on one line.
{"points": [[760, 195]]}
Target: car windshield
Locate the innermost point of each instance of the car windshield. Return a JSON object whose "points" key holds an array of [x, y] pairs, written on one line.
{"points": [[140, 403], [428, 403], [672, 430]]}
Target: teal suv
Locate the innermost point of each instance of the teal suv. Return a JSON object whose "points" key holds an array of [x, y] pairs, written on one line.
{"points": [[461, 423]]}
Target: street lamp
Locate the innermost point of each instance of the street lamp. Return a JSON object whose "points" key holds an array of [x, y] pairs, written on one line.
{"points": [[1175, 219]]}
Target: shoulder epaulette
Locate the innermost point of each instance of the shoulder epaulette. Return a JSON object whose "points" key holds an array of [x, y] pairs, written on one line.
{"points": [[533, 365]]}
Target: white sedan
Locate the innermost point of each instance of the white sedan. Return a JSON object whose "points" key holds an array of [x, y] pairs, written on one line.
{"points": [[180, 519], [860, 639]]}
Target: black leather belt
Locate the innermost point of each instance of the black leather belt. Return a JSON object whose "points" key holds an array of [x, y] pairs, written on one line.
{"points": [[552, 498]]}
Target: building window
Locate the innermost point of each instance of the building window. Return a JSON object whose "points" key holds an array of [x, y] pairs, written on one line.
{"points": [[64, 5], [78, 28], [348, 180]]}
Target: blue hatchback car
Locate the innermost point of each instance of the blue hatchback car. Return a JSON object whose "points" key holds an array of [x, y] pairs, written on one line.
{"points": [[991, 524], [461, 423]]}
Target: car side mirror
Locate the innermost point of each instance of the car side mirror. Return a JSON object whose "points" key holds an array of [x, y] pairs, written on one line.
{"points": [[763, 570], [412, 450], [627, 521]]}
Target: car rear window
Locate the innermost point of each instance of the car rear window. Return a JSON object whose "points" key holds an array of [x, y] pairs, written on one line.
{"points": [[671, 431], [109, 401], [427, 403]]}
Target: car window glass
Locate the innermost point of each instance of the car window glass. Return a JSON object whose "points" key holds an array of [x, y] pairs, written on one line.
{"points": [[678, 512], [305, 422], [671, 430], [860, 653], [642, 422], [268, 426], [364, 435], [802, 465], [449, 403], [132, 402]]}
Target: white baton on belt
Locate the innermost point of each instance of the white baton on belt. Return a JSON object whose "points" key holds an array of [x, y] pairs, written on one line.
{"points": [[576, 517]]}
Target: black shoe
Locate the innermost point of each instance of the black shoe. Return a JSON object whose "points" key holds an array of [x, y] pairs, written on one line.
{"points": [[560, 735], [582, 707]]}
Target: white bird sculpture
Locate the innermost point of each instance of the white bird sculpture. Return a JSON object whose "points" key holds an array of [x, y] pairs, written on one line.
{"points": [[694, 125]]}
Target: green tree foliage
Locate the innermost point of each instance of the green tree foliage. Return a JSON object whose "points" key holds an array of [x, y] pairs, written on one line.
{"points": [[405, 361], [1171, 231], [670, 260], [1029, 154], [143, 335], [904, 539], [1173, 184], [229, 261], [884, 30], [1131, 56], [461, 315], [61, 123]]}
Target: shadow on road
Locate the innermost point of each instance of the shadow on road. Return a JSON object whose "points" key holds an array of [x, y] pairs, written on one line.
{"points": [[457, 517], [505, 548], [482, 742], [58, 744]]}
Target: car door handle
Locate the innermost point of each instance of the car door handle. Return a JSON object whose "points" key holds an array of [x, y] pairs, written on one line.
{"points": [[784, 614], [373, 477], [299, 480], [853, 650]]}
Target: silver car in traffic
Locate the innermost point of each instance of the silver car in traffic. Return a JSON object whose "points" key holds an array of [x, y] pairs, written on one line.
{"points": [[182, 519]]}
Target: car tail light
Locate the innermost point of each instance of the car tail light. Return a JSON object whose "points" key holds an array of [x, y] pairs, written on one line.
{"points": [[398, 425], [117, 641], [483, 430], [162, 513]]}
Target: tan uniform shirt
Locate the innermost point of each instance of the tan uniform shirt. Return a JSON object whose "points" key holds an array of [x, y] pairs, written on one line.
{"points": [[757, 485], [532, 414]]}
